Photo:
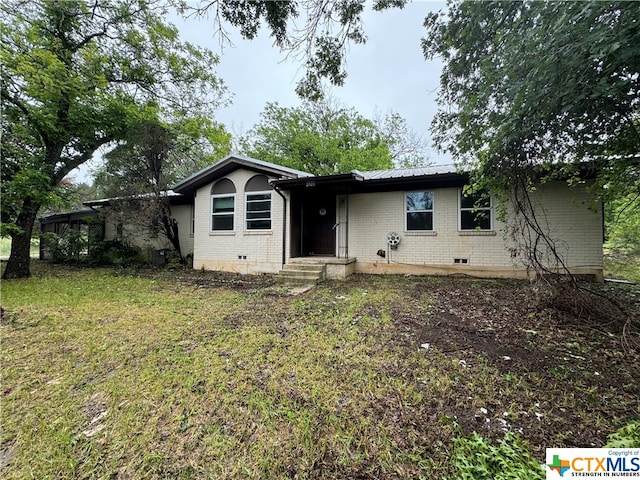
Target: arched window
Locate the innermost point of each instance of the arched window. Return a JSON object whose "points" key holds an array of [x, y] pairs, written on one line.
{"points": [[258, 209], [223, 199]]}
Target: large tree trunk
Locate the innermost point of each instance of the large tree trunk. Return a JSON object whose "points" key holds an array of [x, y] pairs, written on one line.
{"points": [[170, 226], [19, 264]]}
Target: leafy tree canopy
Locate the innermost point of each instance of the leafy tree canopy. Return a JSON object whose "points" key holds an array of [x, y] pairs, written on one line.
{"points": [[316, 31], [317, 137], [155, 155], [623, 224], [75, 75], [537, 83], [408, 149]]}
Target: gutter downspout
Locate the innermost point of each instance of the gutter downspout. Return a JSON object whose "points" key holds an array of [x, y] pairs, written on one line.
{"points": [[284, 225]]}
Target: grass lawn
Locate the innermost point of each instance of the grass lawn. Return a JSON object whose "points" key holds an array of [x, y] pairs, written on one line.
{"points": [[5, 247], [186, 374], [622, 265]]}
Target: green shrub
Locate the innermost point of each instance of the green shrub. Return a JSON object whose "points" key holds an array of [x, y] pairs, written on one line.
{"points": [[626, 437], [115, 252], [623, 224], [618, 264], [68, 246], [173, 259], [477, 459]]}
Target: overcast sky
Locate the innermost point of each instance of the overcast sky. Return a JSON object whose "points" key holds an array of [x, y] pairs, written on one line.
{"points": [[388, 73]]}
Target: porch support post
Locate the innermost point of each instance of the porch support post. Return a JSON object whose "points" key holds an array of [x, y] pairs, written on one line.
{"points": [[284, 225], [342, 219]]}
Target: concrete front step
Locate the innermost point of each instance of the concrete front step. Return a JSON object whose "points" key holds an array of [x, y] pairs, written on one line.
{"points": [[307, 267], [302, 274]]}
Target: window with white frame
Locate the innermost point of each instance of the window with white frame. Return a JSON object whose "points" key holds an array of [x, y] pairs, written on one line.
{"points": [[222, 212], [419, 211], [258, 203], [223, 201], [258, 211], [475, 210]]}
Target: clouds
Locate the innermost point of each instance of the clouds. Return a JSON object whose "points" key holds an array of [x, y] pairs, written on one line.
{"points": [[388, 73]]}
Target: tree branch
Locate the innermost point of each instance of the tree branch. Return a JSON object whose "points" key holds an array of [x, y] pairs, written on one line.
{"points": [[16, 102], [22, 106]]}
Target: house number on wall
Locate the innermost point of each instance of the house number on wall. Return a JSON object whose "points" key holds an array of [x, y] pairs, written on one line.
{"points": [[323, 211]]}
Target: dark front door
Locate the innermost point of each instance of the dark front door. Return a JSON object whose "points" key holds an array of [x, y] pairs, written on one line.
{"points": [[319, 218]]}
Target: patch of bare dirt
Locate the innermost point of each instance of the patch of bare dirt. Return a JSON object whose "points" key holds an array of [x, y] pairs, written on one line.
{"points": [[202, 278], [95, 411], [561, 374], [557, 363]]}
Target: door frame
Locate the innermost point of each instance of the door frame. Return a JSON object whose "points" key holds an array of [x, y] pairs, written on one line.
{"points": [[318, 235]]}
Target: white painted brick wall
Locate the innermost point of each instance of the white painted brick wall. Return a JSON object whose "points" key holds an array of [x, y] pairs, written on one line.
{"points": [[574, 221], [146, 240], [220, 250], [577, 229]]}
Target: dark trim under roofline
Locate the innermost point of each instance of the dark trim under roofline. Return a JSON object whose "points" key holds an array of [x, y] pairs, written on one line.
{"points": [[355, 183], [174, 199], [437, 180], [333, 179], [66, 217]]}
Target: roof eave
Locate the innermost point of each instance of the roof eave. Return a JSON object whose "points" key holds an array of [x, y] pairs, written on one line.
{"points": [[230, 164], [358, 184], [175, 198], [73, 215], [432, 180]]}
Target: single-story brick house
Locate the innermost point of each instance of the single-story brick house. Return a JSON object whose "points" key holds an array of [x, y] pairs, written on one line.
{"points": [[118, 224], [249, 216], [104, 220], [252, 216]]}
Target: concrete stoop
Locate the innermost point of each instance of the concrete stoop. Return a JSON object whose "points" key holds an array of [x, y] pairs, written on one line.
{"points": [[302, 274]]}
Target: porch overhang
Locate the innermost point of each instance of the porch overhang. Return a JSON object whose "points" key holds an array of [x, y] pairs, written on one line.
{"points": [[80, 215], [173, 197], [339, 183]]}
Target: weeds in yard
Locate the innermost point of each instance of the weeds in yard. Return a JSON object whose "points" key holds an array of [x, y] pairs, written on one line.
{"points": [[109, 374], [475, 458], [626, 437]]}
